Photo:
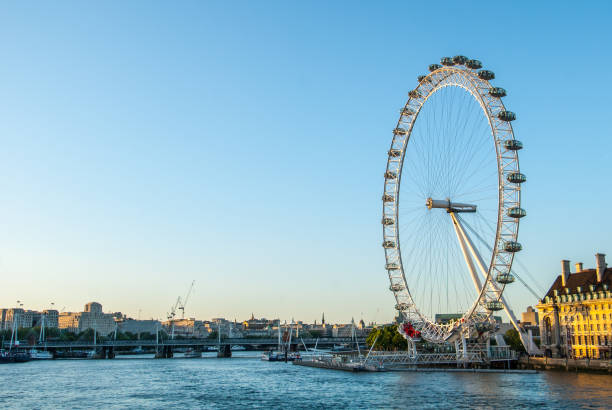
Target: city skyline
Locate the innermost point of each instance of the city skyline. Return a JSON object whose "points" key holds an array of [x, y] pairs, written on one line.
{"points": [[145, 149]]}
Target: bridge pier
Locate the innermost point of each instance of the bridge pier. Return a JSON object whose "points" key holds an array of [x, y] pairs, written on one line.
{"points": [[166, 352], [225, 351]]}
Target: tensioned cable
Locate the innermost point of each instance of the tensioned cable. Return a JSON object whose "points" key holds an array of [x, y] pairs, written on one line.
{"points": [[491, 249], [528, 273]]}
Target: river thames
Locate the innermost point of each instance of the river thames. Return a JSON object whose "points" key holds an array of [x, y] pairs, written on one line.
{"points": [[246, 381]]}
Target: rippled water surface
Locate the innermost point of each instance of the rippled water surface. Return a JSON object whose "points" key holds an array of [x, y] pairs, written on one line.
{"points": [[245, 381]]}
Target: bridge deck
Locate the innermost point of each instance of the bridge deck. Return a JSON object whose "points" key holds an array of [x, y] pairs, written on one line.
{"points": [[267, 342]]}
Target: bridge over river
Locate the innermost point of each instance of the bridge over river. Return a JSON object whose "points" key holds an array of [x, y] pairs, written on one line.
{"points": [[165, 347]]}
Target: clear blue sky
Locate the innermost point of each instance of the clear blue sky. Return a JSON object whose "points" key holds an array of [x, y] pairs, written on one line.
{"points": [[242, 144]]}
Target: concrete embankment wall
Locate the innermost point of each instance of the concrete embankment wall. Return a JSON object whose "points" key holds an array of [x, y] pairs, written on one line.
{"points": [[549, 363]]}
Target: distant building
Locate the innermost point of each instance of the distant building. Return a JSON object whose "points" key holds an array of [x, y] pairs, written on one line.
{"points": [[576, 312], [137, 327], [189, 327], [19, 315], [323, 330], [529, 317], [26, 318], [91, 318], [259, 327], [347, 330]]}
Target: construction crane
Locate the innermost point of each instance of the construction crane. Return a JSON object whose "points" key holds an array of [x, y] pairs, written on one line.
{"points": [[173, 308], [184, 302], [180, 304]]}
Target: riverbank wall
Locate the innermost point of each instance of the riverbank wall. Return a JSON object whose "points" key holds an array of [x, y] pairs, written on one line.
{"points": [[549, 363]]}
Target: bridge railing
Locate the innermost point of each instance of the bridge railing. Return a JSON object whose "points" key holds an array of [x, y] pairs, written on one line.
{"points": [[181, 342]]}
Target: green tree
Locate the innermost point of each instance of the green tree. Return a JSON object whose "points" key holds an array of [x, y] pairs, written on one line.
{"points": [[514, 341], [387, 338]]}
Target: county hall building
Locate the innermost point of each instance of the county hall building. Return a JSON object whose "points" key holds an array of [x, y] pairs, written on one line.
{"points": [[576, 313]]}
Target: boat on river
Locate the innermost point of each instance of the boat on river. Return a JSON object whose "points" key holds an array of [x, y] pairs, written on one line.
{"points": [[14, 357], [193, 353], [40, 354], [279, 356]]}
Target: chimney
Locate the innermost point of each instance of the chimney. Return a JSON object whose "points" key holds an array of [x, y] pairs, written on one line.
{"points": [[578, 267], [601, 266], [565, 272]]}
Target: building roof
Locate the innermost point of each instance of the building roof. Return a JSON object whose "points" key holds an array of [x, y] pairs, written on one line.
{"points": [[583, 279]]}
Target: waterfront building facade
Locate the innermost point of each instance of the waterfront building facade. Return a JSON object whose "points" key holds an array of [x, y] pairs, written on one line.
{"points": [[137, 327], [189, 327], [11, 315], [530, 317], [27, 318], [576, 313], [91, 318], [51, 317]]}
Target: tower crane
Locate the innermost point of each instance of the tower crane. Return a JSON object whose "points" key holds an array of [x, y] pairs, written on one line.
{"points": [[181, 305], [173, 308]]}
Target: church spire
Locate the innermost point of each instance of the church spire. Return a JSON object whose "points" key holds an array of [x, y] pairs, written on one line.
{"points": [[323, 318]]}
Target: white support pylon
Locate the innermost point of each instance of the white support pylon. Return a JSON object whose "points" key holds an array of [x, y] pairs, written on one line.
{"points": [[466, 256], [525, 339]]}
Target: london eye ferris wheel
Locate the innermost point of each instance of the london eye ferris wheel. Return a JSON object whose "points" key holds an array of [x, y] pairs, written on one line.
{"points": [[452, 202]]}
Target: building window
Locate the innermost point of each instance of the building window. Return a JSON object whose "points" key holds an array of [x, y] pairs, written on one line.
{"points": [[548, 335]]}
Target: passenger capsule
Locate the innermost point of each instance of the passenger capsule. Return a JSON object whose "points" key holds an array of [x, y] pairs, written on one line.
{"points": [[516, 178], [406, 111], [461, 60], [396, 287], [400, 131], [388, 244], [388, 198], [447, 61], [486, 75], [506, 116], [434, 67], [392, 266], [395, 153], [505, 278], [516, 212], [414, 94], [484, 327], [512, 246], [513, 145], [497, 92], [401, 306], [473, 64], [494, 305], [388, 221], [390, 175], [421, 78]]}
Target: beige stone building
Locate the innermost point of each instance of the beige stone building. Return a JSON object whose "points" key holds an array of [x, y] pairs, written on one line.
{"points": [[91, 318], [529, 317], [21, 316], [576, 313]]}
